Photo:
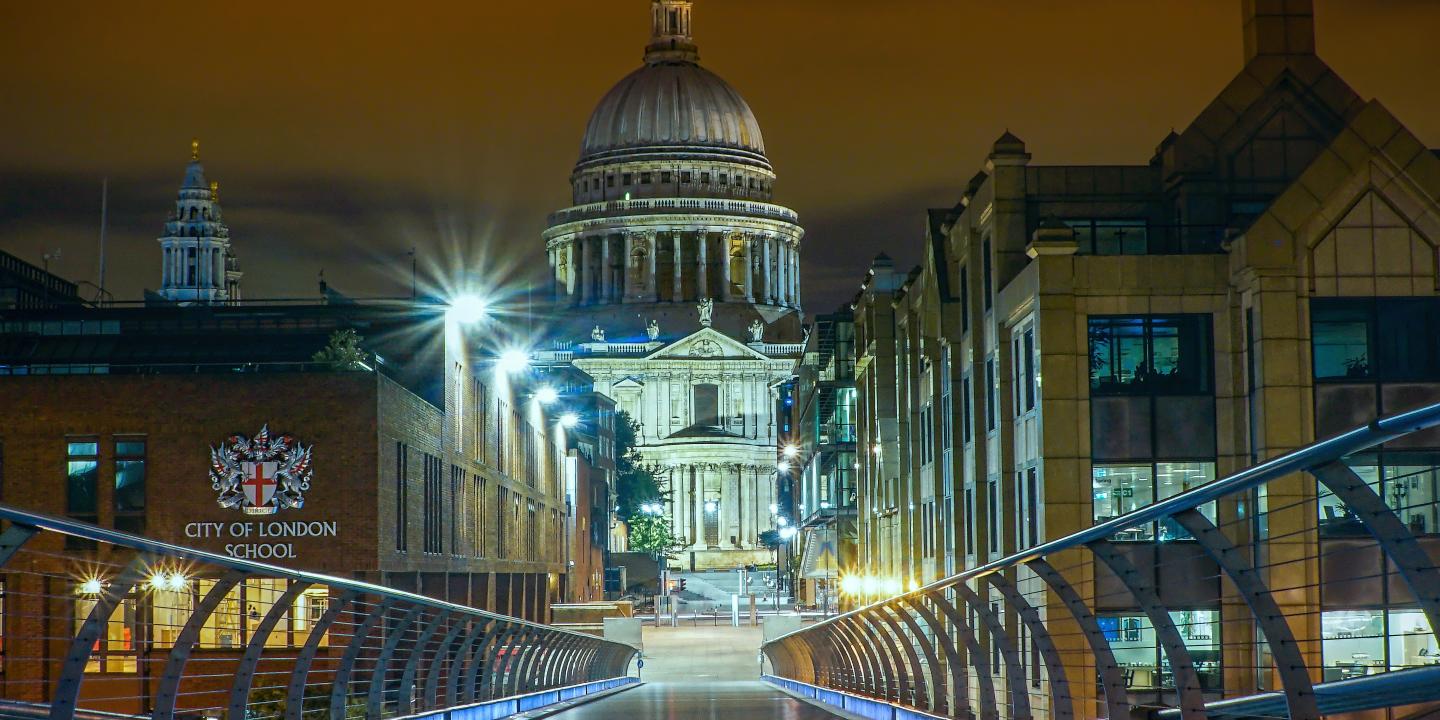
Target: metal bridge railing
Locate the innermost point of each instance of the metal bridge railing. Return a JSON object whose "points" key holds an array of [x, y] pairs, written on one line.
{"points": [[1303, 586], [99, 623]]}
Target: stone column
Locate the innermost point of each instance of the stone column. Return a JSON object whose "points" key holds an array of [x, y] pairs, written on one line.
{"points": [[782, 265], [702, 279], [679, 267], [652, 284], [572, 258], [733, 505], [584, 270], [626, 291], [725, 293], [605, 274], [700, 518], [749, 267], [795, 275]]}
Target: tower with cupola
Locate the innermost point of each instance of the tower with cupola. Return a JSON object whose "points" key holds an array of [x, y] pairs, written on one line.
{"points": [[197, 265]]}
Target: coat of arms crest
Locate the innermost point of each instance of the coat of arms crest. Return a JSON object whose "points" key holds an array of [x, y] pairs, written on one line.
{"points": [[261, 474]]}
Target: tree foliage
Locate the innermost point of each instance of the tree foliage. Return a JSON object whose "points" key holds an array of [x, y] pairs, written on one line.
{"points": [[653, 534], [635, 483], [343, 352]]}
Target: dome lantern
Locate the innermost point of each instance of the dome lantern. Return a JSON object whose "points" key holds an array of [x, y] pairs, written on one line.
{"points": [[670, 38]]}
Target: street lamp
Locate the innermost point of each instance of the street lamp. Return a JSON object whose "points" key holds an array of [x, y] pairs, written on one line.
{"points": [[466, 310], [547, 395], [569, 420], [786, 533], [791, 452], [513, 361]]}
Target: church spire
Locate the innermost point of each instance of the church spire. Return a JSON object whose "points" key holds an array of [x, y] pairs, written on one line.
{"points": [[670, 37], [197, 266]]}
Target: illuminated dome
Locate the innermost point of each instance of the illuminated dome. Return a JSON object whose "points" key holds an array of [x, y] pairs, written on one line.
{"points": [[668, 107], [671, 107]]}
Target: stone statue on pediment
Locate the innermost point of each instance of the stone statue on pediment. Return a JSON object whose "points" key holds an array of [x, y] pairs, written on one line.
{"points": [[757, 330], [598, 334], [707, 311], [652, 330]]}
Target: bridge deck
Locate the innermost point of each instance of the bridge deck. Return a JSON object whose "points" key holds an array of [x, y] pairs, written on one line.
{"points": [[750, 699]]}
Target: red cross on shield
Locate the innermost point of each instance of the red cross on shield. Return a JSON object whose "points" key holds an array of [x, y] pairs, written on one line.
{"points": [[259, 483]]}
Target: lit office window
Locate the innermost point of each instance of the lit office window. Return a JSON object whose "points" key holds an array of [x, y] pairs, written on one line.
{"points": [[114, 651], [130, 485], [1147, 354]]}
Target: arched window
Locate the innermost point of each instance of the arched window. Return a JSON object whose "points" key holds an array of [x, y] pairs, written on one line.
{"points": [[192, 213]]}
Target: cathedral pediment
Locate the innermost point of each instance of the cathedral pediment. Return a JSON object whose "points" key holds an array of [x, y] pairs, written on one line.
{"points": [[707, 343]]}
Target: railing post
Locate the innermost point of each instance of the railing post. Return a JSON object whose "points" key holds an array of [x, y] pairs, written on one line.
{"points": [[375, 695], [13, 539], [169, 688], [1062, 705], [444, 652], [1014, 670], [918, 686], [959, 683], [340, 690], [417, 653], [1187, 681], [1117, 697], [72, 673], [295, 695], [939, 694], [978, 661], [474, 662], [245, 672]]}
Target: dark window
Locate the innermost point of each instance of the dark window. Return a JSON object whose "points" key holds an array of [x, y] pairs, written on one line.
{"points": [[610, 181], [434, 502], [666, 177], [1028, 359], [964, 299], [1393, 339], [707, 405], [704, 178], [992, 515], [402, 497], [965, 420], [724, 179], [1111, 237], [1342, 339], [645, 178], [685, 177], [1032, 505], [970, 521], [1150, 354], [1408, 338], [992, 394], [130, 485], [626, 179], [988, 270]]}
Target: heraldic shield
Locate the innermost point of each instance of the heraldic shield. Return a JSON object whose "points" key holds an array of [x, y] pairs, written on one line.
{"points": [[260, 475]]}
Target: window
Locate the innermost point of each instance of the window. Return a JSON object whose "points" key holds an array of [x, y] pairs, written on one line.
{"points": [[970, 521], [114, 651], [82, 474], [724, 179], [627, 179], [704, 178], [1027, 358], [707, 405], [402, 497], [645, 178], [1144, 355], [965, 429], [610, 181], [988, 267], [992, 516], [1408, 482], [1111, 237], [222, 630], [992, 395], [170, 609], [964, 299], [1392, 339], [685, 177], [1142, 661], [666, 177], [433, 504], [1120, 489], [1032, 507], [130, 485]]}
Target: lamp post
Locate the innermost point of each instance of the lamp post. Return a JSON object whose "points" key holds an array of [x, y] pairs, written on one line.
{"points": [[786, 533]]}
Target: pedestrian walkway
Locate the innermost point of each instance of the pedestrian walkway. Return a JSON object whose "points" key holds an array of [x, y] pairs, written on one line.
{"points": [[700, 672]]}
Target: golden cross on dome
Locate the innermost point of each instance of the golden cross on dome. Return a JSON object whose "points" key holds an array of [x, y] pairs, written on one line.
{"points": [[214, 191], [194, 148]]}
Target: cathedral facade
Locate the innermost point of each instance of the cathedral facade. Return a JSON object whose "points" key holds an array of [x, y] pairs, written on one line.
{"points": [[678, 289]]}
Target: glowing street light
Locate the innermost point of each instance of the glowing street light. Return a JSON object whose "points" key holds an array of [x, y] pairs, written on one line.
{"points": [[91, 586], [547, 395], [774, 508], [513, 361], [783, 466], [711, 506], [787, 532], [466, 310], [782, 521], [791, 452], [569, 420]]}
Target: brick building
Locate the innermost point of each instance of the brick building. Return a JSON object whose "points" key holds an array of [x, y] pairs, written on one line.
{"points": [[433, 471]]}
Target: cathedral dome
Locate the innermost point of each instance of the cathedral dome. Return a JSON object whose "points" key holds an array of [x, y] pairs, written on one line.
{"points": [[669, 107]]}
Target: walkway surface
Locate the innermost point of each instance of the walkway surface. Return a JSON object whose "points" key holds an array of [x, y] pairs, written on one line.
{"points": [[700, 672]]}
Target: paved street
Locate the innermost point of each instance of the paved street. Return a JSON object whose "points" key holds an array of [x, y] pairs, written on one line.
{"points": [[700, 672]]}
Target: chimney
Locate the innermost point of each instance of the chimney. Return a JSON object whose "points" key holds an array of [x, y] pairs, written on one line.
{"points": [[1278, 27]]}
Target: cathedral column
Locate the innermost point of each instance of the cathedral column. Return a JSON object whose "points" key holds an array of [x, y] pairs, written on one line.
{"points": [[795, 275], [606, 276], [679, 268], [772, 266], [652, 283], [782, 266], [749, 267], [571, 290], [702, 279], [700, 518], [585, 270], [725, 293], [626, 288], [733, 505]]}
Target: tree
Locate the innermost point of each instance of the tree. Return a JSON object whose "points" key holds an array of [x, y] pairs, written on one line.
{"points": [[343, 351], [653, 534], [635, 483]]}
